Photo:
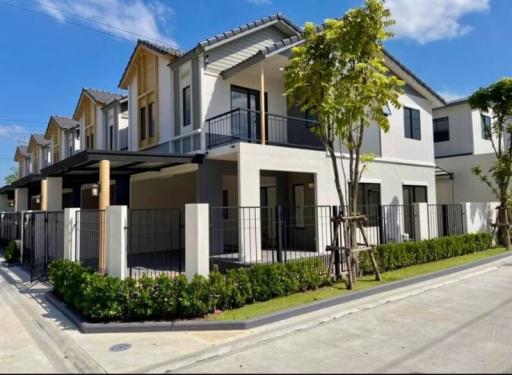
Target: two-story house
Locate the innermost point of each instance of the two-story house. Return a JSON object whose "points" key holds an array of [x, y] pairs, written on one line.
{"points": [[225, 99], [462, 140]]}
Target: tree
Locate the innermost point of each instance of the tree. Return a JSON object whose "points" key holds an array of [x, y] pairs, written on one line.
{"points": [[338, 74], [13, 176], [498, 99]]}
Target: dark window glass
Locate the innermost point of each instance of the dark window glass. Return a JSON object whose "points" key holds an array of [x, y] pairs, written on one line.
{"points": [[414, 194], [152, 117], [187, 115], [111, 137], [486, 127], [412, 123], [142, 124], [225, 204], [441, 129]]}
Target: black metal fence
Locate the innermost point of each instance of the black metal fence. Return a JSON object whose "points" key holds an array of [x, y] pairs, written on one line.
{"points": [[445, 220], [10, 227], [43, 241], [242, 125], [156, 242], [242, 236], [90, 231]]}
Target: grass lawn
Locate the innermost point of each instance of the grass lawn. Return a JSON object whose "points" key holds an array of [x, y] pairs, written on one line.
{"points": [[282, 303]]}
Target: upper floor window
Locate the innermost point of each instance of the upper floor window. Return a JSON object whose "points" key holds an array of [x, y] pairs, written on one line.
{"points": [[46, 156], [412, 123], [142, 123], [187, 109], [28, 166], [441, 129], [151, 120], [486, 127], [70, 143]]}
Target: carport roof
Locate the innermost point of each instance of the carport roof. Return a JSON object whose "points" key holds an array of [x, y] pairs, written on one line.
{"points": [[6, 189], [30, 180], [122, 163]]}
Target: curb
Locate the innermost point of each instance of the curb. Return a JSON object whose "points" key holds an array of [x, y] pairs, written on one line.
{"points": [[240, 325]]}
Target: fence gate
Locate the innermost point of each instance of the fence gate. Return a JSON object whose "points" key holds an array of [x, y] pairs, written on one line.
{"points": [[10, 223], [90, 230], [445, 220], [156, 242], [43, 241]]}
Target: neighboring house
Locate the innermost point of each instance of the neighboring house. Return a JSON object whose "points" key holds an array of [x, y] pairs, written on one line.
{"points": [[63, 134], [99, 114], [462, 141], [27, 193]]}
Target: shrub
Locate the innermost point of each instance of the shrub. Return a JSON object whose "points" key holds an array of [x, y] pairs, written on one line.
{"points": [[103, 298], [399, 255], [12, 253]]}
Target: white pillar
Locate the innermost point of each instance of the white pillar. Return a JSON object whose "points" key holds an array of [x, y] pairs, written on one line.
{"points": [[116, 242], [54, 194], [70, 236], [421, 228], [197, 240], [249, 215], [20, 199]]}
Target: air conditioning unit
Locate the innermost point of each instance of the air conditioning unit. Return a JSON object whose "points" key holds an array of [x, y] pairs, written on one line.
{"points": [[405, 237]]}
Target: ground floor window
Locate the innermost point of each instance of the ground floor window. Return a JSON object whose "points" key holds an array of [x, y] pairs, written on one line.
{"points": [[414, 194]]}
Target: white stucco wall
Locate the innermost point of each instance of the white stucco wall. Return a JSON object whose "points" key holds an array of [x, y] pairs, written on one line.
{"points": [[391, 176], [481, 145], [466, 186], [461, 130], [395, 145]]}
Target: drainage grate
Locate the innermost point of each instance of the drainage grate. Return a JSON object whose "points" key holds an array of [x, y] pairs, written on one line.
{"points": [[120, 347]]}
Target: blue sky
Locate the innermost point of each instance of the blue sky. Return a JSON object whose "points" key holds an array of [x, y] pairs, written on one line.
{"points": [[456, 46]]}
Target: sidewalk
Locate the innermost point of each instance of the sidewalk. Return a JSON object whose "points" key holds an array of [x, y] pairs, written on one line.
{"points": [[39, 338]]}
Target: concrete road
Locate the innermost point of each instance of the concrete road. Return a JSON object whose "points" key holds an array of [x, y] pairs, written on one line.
{"points": [[455, 323], [463, 327]]}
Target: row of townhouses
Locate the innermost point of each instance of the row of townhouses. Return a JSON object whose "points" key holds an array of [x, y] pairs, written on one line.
{"points": [[212, 125]]}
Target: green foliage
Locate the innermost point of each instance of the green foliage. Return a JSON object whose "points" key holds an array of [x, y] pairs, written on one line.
{"points": [[13, 176], [103, 298], [12, 253], [399, 255], [339, 74]]}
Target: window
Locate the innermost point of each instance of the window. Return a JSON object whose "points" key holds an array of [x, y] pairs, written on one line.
{"points": [[142, 123], [414, 194], [151, 120], [225, 205], [111, 137], [412, 123], [441, 129], [187, 115], [70, 140], [486, 127]]}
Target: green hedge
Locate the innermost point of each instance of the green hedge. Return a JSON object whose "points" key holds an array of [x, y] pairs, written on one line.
{"points": [[102, 298], [12, 253], [399, 255]]}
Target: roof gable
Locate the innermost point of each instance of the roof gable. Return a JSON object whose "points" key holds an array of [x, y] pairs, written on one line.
{"points": [[98, 97], [159, 49], [21, 153]]}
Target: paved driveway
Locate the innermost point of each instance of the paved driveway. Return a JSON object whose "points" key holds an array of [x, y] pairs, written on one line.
{"points": [[462, 327]]}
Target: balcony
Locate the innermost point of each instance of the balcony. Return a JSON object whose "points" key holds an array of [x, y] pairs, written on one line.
{"points": [[242, 125]]}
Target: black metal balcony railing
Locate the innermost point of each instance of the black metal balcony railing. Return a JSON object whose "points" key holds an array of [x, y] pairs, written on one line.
{"points": [[242, 125]]}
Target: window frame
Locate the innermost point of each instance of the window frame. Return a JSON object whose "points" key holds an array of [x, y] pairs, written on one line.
{"points": [[435, 123], [486, 135], [186, 111], [409, 128]]}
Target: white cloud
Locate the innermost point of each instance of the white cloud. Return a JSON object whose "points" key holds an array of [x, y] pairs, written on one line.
{"points": [[450, 95], [260, 2], [430, 20], [129, 19], [12, 131]]}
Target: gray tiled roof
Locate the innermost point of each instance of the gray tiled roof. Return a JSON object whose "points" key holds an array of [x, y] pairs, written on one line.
{"points": [[40, 139], [65, 122], [160, 48], [248, 26], [103, 97]]}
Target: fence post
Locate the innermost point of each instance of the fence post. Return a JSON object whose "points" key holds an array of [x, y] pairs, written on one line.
{"points": [[116, 218], [279, 233], [22, 235], [421, 221], [197, 240], [70, 233]]}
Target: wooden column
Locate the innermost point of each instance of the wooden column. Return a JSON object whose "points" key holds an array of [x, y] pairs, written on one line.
{"points": [[44, 195], [262, 105], [104, 202]]}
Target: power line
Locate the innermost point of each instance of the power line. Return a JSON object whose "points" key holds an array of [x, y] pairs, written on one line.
{"points": [[47, 6], [81, 24]]}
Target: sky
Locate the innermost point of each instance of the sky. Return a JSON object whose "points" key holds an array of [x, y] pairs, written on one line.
{"points": [[50, 49]]}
